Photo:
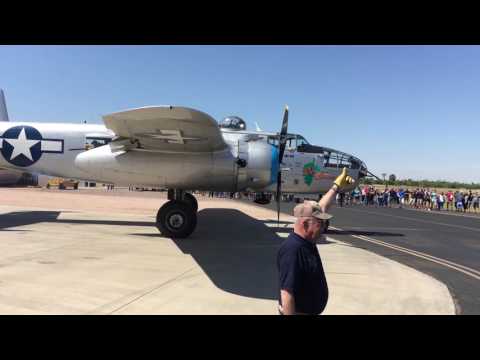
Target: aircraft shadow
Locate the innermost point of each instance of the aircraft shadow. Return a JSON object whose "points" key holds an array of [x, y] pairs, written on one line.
{"points": [[237, 252], [22, 218]]}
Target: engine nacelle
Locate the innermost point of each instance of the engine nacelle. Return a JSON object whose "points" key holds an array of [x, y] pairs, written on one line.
{"points": [[255, 168], [261, 165]]}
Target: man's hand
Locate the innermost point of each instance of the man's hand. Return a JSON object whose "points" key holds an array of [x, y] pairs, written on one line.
{"points": [[288, 303], [343, 179]]}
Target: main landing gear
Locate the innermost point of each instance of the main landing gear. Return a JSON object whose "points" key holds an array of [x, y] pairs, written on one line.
{"points": [[178, 217]]}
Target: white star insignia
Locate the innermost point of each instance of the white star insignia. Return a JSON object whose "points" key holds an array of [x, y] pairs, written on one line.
{"points": [[21, 145]]}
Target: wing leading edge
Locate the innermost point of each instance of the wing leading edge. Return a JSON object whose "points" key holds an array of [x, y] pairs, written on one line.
{"points": [[165, 129]]}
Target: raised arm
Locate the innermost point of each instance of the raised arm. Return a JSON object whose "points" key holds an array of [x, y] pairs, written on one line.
{"points": [[342, 180]]}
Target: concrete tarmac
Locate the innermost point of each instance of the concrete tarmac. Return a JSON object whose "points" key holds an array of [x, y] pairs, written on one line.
{"points": [[443, 244], [92, 252]]}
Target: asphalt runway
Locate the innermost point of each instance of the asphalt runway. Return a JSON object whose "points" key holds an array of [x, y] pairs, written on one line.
{"points": [[444, 246]]}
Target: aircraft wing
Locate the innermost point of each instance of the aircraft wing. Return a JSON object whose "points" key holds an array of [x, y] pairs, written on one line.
{"points": [[165, 129]]}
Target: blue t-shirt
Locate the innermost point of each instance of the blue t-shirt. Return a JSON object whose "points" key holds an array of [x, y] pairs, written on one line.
{"points": [[301, 274]]}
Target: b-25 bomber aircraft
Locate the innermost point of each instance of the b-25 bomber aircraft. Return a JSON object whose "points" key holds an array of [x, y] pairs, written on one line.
{"points": [[178, 149]]}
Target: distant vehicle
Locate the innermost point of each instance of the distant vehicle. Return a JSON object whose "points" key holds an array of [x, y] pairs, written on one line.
{"points": [[62, 184]]}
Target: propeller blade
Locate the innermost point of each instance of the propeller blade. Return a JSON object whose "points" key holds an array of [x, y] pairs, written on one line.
{"points": [[283, 133], [282, 142], [279, 195]]}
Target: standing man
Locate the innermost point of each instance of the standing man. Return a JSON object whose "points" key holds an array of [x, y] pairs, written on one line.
{"points": [[303, 286]]}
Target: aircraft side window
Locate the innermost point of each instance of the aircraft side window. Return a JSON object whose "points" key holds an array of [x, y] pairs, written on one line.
{"points": [[291, 144], [332, 160], [343, 162], [327, 157]]}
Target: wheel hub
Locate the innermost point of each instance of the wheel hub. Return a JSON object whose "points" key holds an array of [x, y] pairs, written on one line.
{"points": [[176, 221]]}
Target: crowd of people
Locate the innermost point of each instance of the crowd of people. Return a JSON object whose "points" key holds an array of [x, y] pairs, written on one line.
{"points": [[420, 198], [426, 199]]}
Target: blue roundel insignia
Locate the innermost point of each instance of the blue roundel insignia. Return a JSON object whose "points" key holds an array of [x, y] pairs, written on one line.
{"points": [[22, 145]]}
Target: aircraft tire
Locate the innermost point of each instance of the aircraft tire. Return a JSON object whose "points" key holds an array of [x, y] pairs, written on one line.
{"points": [[176, 219], [191, 201]]}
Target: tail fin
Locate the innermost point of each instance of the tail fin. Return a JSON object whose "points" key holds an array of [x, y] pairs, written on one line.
{"points": [[3, 107]]}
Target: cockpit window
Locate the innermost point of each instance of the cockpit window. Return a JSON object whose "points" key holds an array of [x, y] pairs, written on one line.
{"points": [[293, 141], [233, 123], [93, 142], [355, 164], [301, 141], [339, 160]]}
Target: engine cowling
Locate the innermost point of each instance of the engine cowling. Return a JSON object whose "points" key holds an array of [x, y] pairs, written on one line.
{"points": [[261, 165]]}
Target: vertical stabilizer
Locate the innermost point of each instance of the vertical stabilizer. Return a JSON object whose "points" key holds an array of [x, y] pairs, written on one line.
{"points": [[3, 107]]}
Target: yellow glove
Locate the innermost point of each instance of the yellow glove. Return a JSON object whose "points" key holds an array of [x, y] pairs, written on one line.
{"points": [[343, 179]]}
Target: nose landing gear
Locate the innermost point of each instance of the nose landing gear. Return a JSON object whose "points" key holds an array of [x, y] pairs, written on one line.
{"points": [[178, 217]]}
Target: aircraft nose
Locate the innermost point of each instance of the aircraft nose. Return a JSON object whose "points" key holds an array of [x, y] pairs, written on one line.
{"points": [[363, 171]]}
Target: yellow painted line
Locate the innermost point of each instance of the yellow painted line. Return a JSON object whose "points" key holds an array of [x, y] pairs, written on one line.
{"points": [[449, 264]]}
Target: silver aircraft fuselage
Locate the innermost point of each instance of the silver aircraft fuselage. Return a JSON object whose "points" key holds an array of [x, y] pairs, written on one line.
{"points": [[62, 150]]}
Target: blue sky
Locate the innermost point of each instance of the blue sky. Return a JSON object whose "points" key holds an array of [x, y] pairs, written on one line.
{"points": [[408, 110]]}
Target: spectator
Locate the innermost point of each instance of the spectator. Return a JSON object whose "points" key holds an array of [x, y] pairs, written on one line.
{"points": [[427, 200], [433, 200], [401, 195], [470, 199], [440, 201], [450, 200], [475, 202], [458, 201], [376, 199], [385, 198], [364, 195]]}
